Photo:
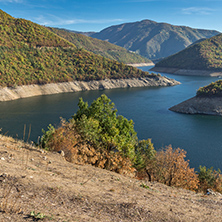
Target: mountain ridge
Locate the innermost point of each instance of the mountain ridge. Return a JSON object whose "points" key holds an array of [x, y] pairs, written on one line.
{"points": [[205, 56], [100, 47], [155, 40]]}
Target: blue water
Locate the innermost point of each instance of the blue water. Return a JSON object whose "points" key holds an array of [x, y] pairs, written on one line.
{"points": [[199, 135]]}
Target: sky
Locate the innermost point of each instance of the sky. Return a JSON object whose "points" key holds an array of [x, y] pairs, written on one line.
{"points": [[95, 15]]}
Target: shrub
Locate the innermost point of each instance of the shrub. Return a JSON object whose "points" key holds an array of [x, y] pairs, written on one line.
{"points": [[171, 168], [103, 128], [47, 136], [209, 178], [144, 155], [97, 135]]}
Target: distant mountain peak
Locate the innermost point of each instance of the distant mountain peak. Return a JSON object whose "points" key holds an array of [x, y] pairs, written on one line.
{"points": [[152, 39]]}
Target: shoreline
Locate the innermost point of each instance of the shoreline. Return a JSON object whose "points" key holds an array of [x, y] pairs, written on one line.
{"points": [[141, 64], [200, 105], [25, 91], [186, 72]]}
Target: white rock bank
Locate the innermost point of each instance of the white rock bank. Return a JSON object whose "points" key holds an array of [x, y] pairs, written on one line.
{"points": [[12, 93]]}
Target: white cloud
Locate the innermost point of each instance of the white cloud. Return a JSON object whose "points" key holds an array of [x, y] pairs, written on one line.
{"points": [[11, 1], [42, 20], [197, 10]]}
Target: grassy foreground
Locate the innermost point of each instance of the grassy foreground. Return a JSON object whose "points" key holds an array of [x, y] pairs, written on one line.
{"points": [[40, 185]]}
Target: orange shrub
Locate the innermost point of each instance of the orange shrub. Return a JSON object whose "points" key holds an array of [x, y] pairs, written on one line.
{"points": [[170, 167]]}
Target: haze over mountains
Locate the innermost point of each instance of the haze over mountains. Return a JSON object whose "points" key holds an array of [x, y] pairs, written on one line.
{"points": [[151, 39]]}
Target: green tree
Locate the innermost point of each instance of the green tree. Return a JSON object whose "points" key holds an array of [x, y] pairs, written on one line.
{"points": [[210, 178], [102, 127]]}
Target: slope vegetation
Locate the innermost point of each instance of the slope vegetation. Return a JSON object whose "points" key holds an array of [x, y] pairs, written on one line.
{"points": [[31, 54], [205, 55], [21, 32], [151, 39], [42, 186], [100, 47]]}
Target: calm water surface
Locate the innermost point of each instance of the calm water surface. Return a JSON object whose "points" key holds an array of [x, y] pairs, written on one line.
{"points": [[199, 135]]}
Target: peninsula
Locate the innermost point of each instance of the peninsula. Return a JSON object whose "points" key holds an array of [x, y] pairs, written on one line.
{"points": [[208, 101]]}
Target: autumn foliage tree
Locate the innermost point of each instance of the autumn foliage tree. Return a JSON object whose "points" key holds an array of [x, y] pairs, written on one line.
{"points": [[171, 168]]}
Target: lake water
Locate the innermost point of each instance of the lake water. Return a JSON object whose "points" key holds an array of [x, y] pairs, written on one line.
{"points": [[148, 107]]}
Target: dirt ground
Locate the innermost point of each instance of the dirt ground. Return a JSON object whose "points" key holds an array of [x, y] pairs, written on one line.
{"points": [[38, 185]]}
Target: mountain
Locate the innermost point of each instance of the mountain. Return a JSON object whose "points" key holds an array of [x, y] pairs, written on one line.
{"points": [[31, 54], [151, 39], [21, 32], [205, 55], [100, 47]]}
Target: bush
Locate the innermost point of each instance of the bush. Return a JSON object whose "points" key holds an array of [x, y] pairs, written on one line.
{"points": [[99, 125], [209, 178], [47, 137], [144, 153], [170, 167]]}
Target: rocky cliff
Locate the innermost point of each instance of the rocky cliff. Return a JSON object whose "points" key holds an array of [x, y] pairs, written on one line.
{"points": [[12, 93]]}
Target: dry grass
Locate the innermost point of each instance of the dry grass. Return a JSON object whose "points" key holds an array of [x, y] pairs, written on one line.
{"points": [[45, 184]]}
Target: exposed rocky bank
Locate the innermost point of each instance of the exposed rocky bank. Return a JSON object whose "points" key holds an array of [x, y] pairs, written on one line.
{"points": [[141, 64], [200, 105], [187, 72], [13, 93]]}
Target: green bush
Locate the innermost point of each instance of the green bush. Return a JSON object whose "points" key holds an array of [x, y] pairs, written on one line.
{"points": [[209, 178], [47, 136], [100, 125]]}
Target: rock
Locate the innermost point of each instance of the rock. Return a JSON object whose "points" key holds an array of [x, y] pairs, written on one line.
{"points": [[200, 105], [12, 93], [62, 153], [42, 151], [187, 72], [3, 177], [211, 192]]}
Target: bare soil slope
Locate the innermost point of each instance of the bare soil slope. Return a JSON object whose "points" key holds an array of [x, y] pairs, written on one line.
{"points": [[32, 180]]}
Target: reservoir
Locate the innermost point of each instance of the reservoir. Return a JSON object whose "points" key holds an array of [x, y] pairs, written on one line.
{"points": [[148, 107]]}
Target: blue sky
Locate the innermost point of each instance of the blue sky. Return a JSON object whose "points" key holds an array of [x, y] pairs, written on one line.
{"points": [[95, 15]]}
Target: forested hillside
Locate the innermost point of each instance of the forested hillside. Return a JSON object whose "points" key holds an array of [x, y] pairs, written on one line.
{"points": [[31, 54], [205, 55], [100, 47]]}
